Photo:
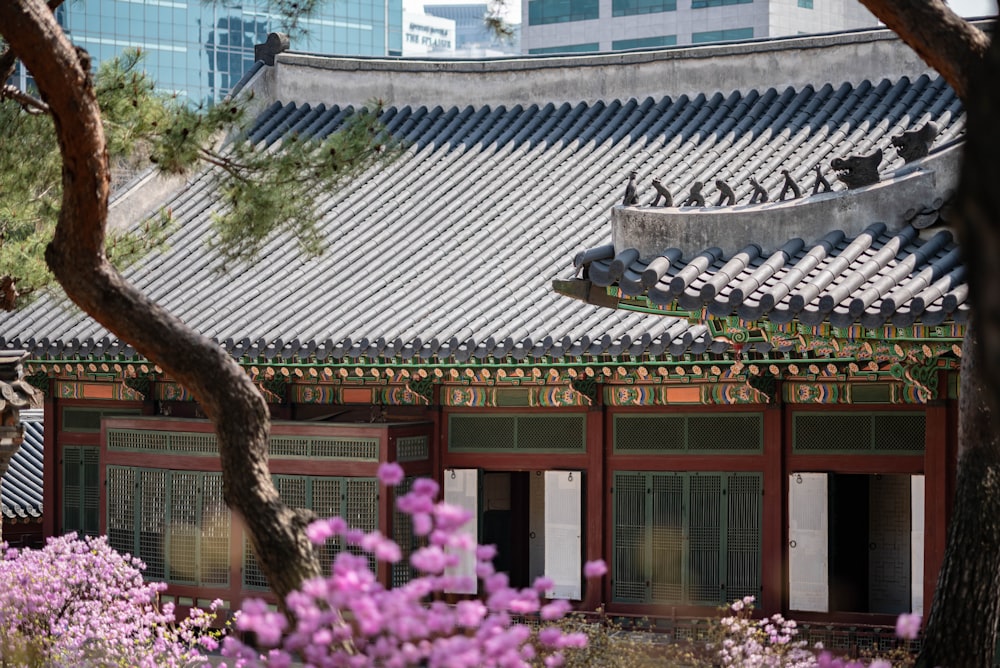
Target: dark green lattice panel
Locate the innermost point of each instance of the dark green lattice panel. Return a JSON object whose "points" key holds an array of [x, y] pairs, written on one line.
{"points": [[630, 548], [121, 514], [686, 538], [184, 531], [517, 433], [402, 534], [704, 527], [679, 433], [215, 532], [89, 419], [81, 490], [666, 534], [743, 538], [152, 522], [354, 499], [865, 433]]}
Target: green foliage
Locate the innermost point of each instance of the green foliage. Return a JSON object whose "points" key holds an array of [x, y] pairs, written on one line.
{"points": [[265, 190], [31, 171], [270, 190]]}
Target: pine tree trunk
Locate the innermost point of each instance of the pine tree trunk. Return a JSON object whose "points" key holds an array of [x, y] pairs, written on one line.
{"points": [[962, 628], [76, 257]]}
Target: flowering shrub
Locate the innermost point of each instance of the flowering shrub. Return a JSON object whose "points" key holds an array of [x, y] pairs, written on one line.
{"points": [[765, 642], [350, 619], [79, 603]]}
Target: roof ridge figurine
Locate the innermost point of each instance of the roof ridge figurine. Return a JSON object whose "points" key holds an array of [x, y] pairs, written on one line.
{"points": [[820, 184], [915, 144], [695, 198], [726, 195], [858, 171], [631, 198], [789, 184], [661, 191], [759, 194]]}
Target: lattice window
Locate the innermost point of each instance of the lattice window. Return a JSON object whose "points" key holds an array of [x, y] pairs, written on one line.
{"points": [[289, 446], [195, 443], [679, 433], [402, 534], [152, 521], [685, 538], [184, 531], [365, 449], [354, 499], [550, 432], [482, 433], [517, 433], [743, 558], [859, 432], [121, 515], [81, 490], [412, 448], [175, 521], [215, 530], [89, 419]]}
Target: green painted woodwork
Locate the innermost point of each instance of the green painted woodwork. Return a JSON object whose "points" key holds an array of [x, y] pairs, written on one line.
{"points": [[516, 433], [190, 443], [674, 433], [78, 419], [81, 490], [412, 448], [691, 538], [402, 533], [175, 521], [896, 432], [354, 499]]}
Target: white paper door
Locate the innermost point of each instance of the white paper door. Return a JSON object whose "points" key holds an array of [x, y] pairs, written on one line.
{"points": [[563, 533], [917, 544], [808, 528], [461, 488]]}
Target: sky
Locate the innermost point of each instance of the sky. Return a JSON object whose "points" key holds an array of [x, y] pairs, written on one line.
{"points": [[962, 7]]}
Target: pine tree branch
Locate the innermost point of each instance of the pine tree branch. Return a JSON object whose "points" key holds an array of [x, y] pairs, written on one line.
{"points": [[943, 39], [29, 103]]}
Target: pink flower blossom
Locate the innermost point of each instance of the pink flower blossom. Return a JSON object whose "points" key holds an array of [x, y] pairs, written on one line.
{"points": [[908, 626], [595, 569], [390, 473]]}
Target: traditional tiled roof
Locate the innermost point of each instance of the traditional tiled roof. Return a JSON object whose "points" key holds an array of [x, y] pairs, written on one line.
{"points": [[902, 270], [21, 489], [449, 253]]}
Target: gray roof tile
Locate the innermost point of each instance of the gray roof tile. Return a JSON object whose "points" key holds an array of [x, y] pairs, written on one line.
{"points": [[450, 251], [21, 488]]}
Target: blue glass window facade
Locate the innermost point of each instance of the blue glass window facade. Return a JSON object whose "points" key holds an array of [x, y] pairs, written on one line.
{"points": [[643, 43], [631, 7], [569, 48], [541, 12], [699, 4], [199, 51], [721, 35]]}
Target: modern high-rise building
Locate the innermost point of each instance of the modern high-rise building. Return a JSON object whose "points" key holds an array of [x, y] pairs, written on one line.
{"points": [[200, 50], [471, 32], [577, 26]]}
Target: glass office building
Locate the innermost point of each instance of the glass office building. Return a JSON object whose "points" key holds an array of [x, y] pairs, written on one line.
{"points": [[200, 50]]}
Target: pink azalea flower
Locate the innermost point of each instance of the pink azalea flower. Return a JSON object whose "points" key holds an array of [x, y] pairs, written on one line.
{"points": [[390, 473], [908, 626], [595, 569]]}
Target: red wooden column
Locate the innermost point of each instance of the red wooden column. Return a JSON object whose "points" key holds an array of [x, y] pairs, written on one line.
{"points": [[51, 471], [939, 488], [595, 526], [773, 567]]}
